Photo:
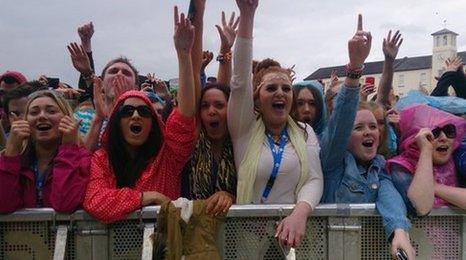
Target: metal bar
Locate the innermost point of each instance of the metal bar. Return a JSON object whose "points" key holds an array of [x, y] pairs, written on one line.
{"points": [[343, 228], [148, 213], [92, 232], [463, 239], [60, 242], [148, 242]]}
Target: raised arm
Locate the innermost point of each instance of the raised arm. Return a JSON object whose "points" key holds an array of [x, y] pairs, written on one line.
{"points": [[227, 34], [335, 137], [197, 8], [91, 140], [241, 104], [86, 32], [184, 40], [390, 50]]}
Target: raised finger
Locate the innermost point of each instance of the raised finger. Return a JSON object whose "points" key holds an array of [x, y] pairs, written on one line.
{"points": [[224, 20], [389, 36], [359, 22], [235, 25], [400, 42], [176, 17], [182, 20], [232, 19]]}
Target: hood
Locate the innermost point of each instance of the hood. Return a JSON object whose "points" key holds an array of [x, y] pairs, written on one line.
{"points": [[121, 99], [318, 92]]}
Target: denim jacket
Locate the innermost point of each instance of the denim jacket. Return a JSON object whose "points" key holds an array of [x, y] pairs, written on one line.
{"points": [[346, 181]]}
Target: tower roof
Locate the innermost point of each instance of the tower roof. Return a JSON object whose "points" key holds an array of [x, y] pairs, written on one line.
{"points": [[444, 31]]}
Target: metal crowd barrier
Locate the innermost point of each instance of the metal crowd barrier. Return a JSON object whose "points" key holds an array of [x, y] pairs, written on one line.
{"points": [[335, 231]]}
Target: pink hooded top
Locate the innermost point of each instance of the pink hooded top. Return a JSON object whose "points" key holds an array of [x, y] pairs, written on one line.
{"points": [[412, 119], [108, 203]]}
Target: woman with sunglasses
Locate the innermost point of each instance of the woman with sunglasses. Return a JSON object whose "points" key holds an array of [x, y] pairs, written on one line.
{"points": [[424, 172], [141, 159], [44, 164]]}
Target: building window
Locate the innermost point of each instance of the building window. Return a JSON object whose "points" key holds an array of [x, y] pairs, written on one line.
{"points": [[423, 79], [401, 81], [445, 40], [437, 41]]}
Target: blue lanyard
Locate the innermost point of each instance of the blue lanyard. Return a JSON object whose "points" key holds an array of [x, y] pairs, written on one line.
{"points": [[277, 153], [40, 180]]}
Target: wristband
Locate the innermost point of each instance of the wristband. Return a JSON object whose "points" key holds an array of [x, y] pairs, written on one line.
{"points": [[89, 76], [354, 73], [225, 57]]}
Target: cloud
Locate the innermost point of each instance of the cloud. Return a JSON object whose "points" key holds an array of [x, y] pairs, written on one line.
{"points": [[308, 33]]}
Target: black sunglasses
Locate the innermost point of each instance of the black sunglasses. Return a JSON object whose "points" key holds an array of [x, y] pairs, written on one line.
{"points": [[449, 131], [128, 111]]}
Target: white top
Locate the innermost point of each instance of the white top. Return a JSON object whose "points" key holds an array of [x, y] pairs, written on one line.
{"points": [[241, 120]]}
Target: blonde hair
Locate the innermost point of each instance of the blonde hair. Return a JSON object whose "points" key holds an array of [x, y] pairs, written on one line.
{"points": [[56, 97]]}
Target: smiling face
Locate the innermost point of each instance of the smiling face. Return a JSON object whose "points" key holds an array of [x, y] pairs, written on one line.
{"points": [[44, 116], [306, 106], [443, 149], [214, 114], [275, 98], [135, 122], [364, 138]]}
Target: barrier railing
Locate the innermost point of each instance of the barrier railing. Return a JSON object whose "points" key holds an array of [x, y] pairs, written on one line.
{"points": [[335, 231]]}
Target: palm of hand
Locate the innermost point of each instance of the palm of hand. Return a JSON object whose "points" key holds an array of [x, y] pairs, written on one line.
{"points": [[184, 38], [390, 50]]}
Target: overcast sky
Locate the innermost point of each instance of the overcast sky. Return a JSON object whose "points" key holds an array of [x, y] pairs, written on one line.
{"points": [[308, 33]]}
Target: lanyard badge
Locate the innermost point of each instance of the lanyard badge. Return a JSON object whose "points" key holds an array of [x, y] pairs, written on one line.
{"points": [[277, 153]]}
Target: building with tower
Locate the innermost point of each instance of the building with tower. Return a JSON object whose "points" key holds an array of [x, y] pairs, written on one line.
{"points": [[410, 73]]}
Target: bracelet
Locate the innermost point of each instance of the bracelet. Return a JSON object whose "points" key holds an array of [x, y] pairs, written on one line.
{"points": [[225, 57], [353, 73], [89, 77]]}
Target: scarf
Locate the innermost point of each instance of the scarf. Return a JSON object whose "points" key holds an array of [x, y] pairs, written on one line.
{"points": [[201, 180], [247, 171]]}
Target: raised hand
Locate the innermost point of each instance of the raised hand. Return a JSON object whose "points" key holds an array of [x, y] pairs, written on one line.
{"points": [[99, 103], [453, 64], [207, 57], [359, 46], [247, 7], [366, 90], [85, 33], [121, 85], [19, 132], [69, 128], [228, 32], [391, 45], [184, 33], [79, 58]]}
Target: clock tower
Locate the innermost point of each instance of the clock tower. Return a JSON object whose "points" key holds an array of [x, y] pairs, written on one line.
{"points": [[444, 48]]}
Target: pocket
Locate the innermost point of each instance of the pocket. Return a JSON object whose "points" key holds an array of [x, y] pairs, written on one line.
{"points": [[351, 191]]}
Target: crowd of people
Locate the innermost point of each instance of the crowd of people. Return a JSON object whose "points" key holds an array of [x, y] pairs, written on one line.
{"points": [[249, 135]]}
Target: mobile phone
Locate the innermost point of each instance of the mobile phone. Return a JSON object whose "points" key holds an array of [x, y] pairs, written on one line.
{"points": [[53, 82], [401, 255], [191, 10], [369, 81]]}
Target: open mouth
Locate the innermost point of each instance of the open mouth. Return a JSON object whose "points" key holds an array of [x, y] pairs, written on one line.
{"points": [[43, 127], [442, 148], [368, 143], [278, 105], [214, 124], [135, 128]]}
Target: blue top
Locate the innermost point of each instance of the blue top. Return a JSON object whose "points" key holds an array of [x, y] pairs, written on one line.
{"points": [[346, 181]]}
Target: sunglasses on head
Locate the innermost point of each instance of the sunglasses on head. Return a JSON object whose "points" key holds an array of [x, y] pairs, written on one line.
{"points": [[128, 111], [449, 131]]}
